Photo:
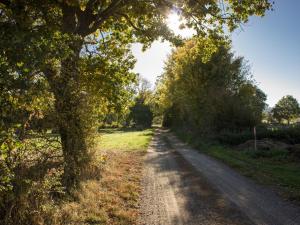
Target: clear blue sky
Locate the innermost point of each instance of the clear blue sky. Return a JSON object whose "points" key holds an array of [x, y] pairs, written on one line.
{"points": [[271, 45]]}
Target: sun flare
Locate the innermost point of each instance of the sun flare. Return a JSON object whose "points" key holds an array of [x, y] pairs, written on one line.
{"points": [[174, 21]]}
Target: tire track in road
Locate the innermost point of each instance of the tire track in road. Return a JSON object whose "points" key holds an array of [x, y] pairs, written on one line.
{"points": [[175, 193]]}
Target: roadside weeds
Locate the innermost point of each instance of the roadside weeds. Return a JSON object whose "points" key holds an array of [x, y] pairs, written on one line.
{"points": [[113, 199]]}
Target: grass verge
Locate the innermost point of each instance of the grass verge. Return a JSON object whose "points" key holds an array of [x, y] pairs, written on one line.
{"points": [[274, 168], [111, 200], [284, 175]]}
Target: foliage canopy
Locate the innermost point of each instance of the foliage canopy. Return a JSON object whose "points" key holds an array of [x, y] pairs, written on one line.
{"points": [[286, 108], [80, 51], [209, 95]]}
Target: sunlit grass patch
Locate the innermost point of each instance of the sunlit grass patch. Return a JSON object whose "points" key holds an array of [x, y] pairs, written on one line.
{"points": [[125, 140]]}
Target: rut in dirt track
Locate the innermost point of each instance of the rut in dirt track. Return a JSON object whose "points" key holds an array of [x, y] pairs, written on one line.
{"points": [[176, 194]]}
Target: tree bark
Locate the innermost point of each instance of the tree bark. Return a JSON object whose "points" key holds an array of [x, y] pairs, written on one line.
{"points": [[74, 145], [69, 103]]}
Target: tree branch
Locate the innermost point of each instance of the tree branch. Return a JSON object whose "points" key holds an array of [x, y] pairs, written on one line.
{"points": [[134, 26], [105, 14], [90, 5], [5, 2]]}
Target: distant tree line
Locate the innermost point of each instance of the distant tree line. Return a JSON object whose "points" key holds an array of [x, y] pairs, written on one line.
{"points": [[137, 113]]}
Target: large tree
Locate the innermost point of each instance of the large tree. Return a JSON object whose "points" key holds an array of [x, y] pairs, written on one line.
{"points": [[50, 38], [208, 95]]}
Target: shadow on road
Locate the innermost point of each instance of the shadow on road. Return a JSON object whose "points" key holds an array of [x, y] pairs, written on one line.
{"points": [[185, 196]]}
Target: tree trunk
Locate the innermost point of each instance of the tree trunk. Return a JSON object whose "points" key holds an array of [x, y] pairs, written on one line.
{"points": [[69, 105], [74, 145]]}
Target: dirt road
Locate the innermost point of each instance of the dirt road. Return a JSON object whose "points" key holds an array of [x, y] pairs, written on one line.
{"points": [[184, 187]]}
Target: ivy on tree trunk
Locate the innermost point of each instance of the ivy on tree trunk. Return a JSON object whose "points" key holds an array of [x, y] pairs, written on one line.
{"points": [[69, 102]]}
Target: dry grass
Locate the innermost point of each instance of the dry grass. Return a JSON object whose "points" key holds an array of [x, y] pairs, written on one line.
{"points": [[111, 196], [109, 192], [111, 200]]}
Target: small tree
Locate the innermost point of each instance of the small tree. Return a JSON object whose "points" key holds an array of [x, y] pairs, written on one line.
{"points": [[140, 113], [287, 108]]}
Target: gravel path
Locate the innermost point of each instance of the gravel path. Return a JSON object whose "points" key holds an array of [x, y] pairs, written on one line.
{"points": [[175, 193], [259, 203]]}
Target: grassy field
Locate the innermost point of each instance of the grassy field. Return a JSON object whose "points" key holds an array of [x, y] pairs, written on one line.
{"points": [[124, 140], [113, 198]]}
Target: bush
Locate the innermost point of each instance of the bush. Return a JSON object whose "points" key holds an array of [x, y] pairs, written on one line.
{"points": [[234, 138], [140, 114], [30, 175], [289, 135]]}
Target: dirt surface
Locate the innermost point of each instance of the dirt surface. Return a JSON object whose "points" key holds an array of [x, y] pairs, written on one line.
{"points": [[183, 186], [259, 203], [175, 193]]}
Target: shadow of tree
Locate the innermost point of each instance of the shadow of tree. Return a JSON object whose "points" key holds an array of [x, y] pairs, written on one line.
{"points": [[198, 201]]}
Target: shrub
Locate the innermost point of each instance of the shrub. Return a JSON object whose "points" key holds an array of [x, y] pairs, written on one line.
{"points": [[30, 177], [140, 114], [234, 138], [289, 135]]}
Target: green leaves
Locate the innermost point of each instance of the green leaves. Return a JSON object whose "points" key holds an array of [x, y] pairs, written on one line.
{"points": [[287, 108], [73, 57], [206, 89], [37, 35], [8, 144]]}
